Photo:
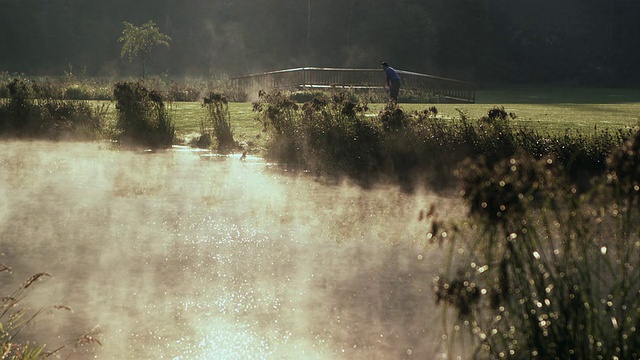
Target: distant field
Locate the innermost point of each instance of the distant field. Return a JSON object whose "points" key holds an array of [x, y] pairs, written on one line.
{"points": [[545, 109]]}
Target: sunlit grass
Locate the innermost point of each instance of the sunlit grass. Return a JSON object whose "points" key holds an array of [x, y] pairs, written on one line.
{"points": [[568, 114], [555, 110], [544, 117], [557, 117]]}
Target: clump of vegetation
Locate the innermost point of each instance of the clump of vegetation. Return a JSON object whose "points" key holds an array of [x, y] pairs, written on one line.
{"points": [[29, 113], [548, 272], [219, 122], [143, 118], [14, 319], [305, 96], [337, 138], [183, 92], [329, 135], [281, 119], [334, 135]]}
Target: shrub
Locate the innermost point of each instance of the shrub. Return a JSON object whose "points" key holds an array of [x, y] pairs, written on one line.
{"points": [[143, 118], [77, 93], [26, 114], [280, 118], [220, 121], [183, 92], [333, 134], [305, 96], [337, 138], [329, 134]]}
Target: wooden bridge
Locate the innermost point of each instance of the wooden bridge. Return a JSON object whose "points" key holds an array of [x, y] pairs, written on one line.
{"points": [[442, 89]]}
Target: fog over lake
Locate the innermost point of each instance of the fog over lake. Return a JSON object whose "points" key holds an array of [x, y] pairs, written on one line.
{"points": [[182, 254]]}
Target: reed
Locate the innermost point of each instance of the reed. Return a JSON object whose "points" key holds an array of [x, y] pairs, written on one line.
{"points": [[15, 318], [547, 271], [333, 135], [218, 120], [143, 117], [29, 113]]}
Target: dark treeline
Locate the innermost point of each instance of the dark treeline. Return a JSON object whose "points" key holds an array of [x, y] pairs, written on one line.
{"points": [[585, 42]]}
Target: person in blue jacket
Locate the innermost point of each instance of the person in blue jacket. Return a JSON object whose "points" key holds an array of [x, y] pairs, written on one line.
{"points": [[393, 81]]}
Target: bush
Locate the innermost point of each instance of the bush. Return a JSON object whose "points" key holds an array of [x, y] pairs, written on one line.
{"points": [[329, 135], [337, 138], [334, 135], [280, 119], [26, 114], [219, 119], [143, 118]]}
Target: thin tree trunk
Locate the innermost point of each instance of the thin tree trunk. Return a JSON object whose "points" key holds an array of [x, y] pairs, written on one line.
{"points": [[309, 24]]}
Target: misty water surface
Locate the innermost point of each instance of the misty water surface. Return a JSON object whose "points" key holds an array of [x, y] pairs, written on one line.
{"points": [[183, 255]]}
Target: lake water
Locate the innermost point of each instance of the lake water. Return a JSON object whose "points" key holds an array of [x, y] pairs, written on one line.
{"points": [[183, 255]]}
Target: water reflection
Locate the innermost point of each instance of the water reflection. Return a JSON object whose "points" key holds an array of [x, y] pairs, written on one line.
{"points": [[183, 255]]}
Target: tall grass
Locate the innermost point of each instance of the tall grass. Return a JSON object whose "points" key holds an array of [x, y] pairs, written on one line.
{"points": [[73, 86], [143, 118], [218, 122], [15, 318], [67, 87], [329, 135], [547, 272], [333, 135], [27, 114]]}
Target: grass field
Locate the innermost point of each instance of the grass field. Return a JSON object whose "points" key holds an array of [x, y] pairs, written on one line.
{"points": [[544, 109]]}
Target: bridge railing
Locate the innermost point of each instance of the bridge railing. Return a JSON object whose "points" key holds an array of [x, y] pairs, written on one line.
{"points": [[449, 90]]}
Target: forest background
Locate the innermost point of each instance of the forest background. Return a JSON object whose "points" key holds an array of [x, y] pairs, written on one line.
{"points": [[568, 42]]}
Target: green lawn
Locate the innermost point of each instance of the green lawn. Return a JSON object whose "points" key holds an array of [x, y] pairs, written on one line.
{"points": [[188, 115], [545, 109]]}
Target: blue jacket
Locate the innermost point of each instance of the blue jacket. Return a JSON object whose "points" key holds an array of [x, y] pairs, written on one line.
{"points": [[391, 74]]}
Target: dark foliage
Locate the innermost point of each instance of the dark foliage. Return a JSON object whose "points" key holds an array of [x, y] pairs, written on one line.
{"points": [[143, 118], [547, 272], [29, 113], [332, 135], [572, 42], [219, 121]]}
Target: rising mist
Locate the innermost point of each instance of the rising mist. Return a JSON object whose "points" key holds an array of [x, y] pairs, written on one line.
{"points": [[188, 255]]}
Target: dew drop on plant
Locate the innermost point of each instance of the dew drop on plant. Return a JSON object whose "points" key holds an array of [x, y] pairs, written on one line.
{"points": [[614, 321]]}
